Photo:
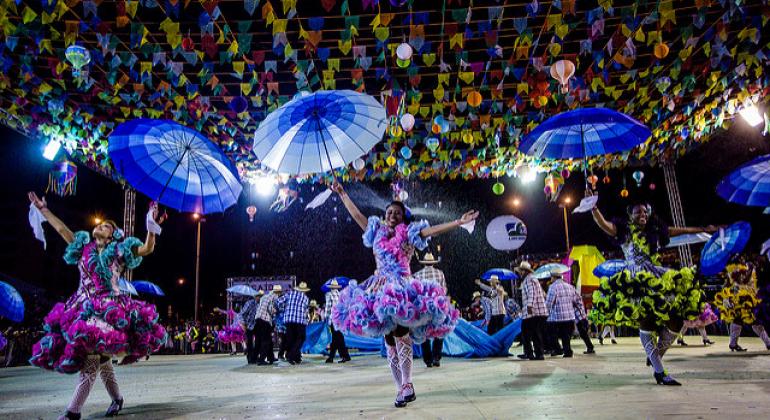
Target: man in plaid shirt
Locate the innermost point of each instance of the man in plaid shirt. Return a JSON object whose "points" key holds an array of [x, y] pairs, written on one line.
{"points": [[431, 349], [264, 325], [534, 313], [293, 307], [581, 320], [338, 340], [496, 295], [248, 319], [562, 300]]}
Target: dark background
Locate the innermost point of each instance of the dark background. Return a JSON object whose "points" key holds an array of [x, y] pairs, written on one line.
{"points": [[318, 244]]}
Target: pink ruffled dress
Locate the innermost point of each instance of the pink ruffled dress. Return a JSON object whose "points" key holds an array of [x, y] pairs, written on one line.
{"points": [[96, 319], [707, 317], [392, 297], [233, 332]]}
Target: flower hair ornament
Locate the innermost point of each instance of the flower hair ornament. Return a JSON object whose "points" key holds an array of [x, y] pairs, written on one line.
{"points": [[118, 234]]}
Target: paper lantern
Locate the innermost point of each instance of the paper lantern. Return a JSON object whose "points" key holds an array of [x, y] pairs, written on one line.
{"points": [[78, 56], [624, 193], [251, 211], [652, 186], [404, 51], [661, 50], [565, 173], [405, 171], [606, 179], [638, 177], [432, 143], [406, 152], [403, 195], [403, 63], [474, 99], [498, 188], [435, 128], [593, 179], [562, 71], [407, 121], [359, 164], [390, 160]]}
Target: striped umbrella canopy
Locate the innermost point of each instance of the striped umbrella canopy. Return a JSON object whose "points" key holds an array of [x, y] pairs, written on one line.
{"points": [[609, 268], [501, 273], [174, 165], [242, 289], [148, 287], [341, 280], [126, 286], [544, 271], [319, 132], [11, 304], [722, 245], [748, 185]]}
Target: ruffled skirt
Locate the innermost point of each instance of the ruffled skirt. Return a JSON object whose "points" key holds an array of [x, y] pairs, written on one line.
{"points": [[707, 317], [232, 334], [737, 306], [628, 300], [380, 304], [104, 325]]}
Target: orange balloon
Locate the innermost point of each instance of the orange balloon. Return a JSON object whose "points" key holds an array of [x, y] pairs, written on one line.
{"points": [[474, 99], [661, 51], [436, 129]]}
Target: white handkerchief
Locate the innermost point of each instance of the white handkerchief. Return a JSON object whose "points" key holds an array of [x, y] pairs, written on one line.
{"points": [[319, 200], [152, 225], [470, 226], [586, 204], [36, 220]]}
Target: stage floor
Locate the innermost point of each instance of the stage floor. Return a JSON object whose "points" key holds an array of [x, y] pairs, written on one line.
{"points": [[614, 383]]}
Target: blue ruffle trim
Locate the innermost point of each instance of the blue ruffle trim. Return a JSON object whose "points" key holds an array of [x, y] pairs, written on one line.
{"points": [[75, 249], [413, 232], [371, 231], [126, 251]]}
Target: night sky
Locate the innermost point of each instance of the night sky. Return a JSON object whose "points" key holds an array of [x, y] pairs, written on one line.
{"points": [[317, 244]]}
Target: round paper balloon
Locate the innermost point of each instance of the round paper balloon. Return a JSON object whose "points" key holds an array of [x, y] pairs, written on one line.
{"points": [[474, 99], [406, 152], [404, 51], [403, 63], [432, 143], [407, 121], [498, 188], [359, 164], [506, 233], [661, 51]]}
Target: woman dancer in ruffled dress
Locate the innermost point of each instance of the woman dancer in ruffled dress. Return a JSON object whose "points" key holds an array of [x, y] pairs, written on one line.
{"points": [[739, 305], [234, 333], [99, 320], [391, 303], [654, 299]]}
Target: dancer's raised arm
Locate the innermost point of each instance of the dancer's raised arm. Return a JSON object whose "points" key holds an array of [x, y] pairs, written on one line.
{"points": [[676, 231], [57, 224], [149, 244], [446, 227], [355, 213], [608, 227]]}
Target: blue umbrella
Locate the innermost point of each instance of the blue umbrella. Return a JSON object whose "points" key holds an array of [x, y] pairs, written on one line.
{"points": [[723, 244], [242, 289], [174, 165], [584, 132], [748, 185], [143, 286], [609, 268], [501, 273], [319, 132], [127, 287], [341, 280], [544, 271], [11, 304]]}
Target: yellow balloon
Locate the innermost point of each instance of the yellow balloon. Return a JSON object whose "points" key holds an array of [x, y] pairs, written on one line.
{"points": [[467, 138], [396, 131], [543, 100], [390, 160], [474, 99]]}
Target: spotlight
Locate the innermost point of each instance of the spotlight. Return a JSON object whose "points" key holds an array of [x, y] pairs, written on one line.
{"points": [[51, 149], [97, 220], [528, 176], [516, 202], [265, 185], [752, 115], [196, 216]]}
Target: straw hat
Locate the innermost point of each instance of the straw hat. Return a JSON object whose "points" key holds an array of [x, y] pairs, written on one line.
{"points": [[429, 259], [556, 274], [277, 288], [260, 292], [334, 284], [302, 287], [313, 303], [476, 294], [493, 279], [524, 266]]}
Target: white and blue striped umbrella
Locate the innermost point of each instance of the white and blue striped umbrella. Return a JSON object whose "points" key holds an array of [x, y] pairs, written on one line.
{"points": [[584, 132], [126, 286], [501, 273], [722, 245], [11, 304], [148, 287], [319, 132], [242, 289], [748, 185], [174, 165], [544, 271], [609, 268]]}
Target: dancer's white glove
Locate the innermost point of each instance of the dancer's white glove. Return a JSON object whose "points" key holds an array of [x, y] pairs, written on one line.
{"points": [[150, 220]]}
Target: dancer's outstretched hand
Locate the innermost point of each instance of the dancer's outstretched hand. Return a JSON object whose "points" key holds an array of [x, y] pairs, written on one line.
{"points": [[156, 216], [469, 217], [38, 202], [589, 192]]}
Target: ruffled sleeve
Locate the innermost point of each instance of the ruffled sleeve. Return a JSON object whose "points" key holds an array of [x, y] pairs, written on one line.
{"points": [[125, 250], [413, 232], [75, 249], [371, 231]]}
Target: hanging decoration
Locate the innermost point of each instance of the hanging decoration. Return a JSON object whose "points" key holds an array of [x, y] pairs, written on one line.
{"points": [[251, 211], [63, 178], [638, 177], [554, 183], [563, 70]]}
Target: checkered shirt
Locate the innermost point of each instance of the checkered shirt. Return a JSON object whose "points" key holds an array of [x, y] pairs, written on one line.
{"points": [[248, 314], [267, 309], [293, 307], [433, 274], [496, 300], [561, 301], [332, 297], [532, 295], [580, 310]]}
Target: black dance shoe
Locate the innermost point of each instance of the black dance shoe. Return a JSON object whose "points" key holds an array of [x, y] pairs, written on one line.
{"points": [[436, 363], [411, 396], [601, 340], [737, 348], [524, 356], [613, 341], [663, 379], [344, 360], [330, 360], [681, 342], [707, 342], [69, 415], [589, 351], [114, 408]]}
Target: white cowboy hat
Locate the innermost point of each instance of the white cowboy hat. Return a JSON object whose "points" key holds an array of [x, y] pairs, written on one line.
{"points": [[302, 287], [494, 279], [313, 304], [260, 292], [524, 266], [277, 288], [429, 259], [476, 294], [556, 273], [334, 284]]}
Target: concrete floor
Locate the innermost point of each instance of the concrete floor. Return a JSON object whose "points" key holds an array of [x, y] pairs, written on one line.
{"points": [[614, 383]]}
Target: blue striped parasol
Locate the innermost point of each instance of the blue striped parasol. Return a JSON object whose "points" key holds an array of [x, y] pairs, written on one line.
{"points": [[242, 289], [609, 268], [11, 304], [341, 280], [501, 273], [319, 132], [148, 287], [174, 165], [748, 185], [722, 245]]}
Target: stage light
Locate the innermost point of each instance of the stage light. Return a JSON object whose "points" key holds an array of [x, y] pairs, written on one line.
{"points": [[751, 114], [180, 282], [196, 216], [97, 220], [528, 176], [51, 149], [516, 202], [265, 185], [567, 200]]}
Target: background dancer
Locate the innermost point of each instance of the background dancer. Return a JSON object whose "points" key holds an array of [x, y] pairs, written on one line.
{"points": [[338, 339], [645, 295], [387, 303], [431, 349], [99, 320], [737, 302]]}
